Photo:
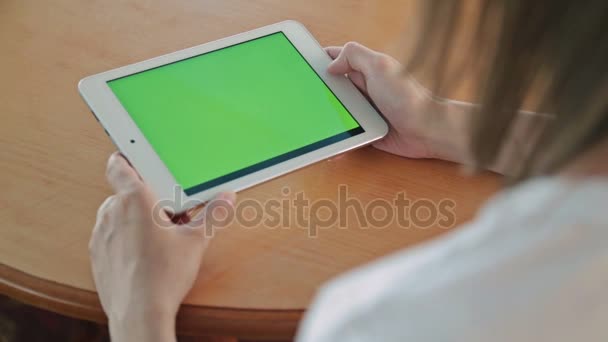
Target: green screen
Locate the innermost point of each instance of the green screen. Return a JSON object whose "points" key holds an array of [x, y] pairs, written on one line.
{"points": [[218, 116]]}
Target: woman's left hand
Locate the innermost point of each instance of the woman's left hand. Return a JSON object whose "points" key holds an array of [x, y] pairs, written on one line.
{"points": [[143, 267]]}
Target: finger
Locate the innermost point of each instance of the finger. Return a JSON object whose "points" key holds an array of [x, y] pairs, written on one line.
{"points": [[353, 57], [358, 79], [103, 210], [104, 206], [381, 145], [216, 211], [121, 176], [181, 218], [101, 222], [333, 51]]}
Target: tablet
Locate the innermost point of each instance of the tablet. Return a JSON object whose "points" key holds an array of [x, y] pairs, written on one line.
{"points": [[230, 114]]}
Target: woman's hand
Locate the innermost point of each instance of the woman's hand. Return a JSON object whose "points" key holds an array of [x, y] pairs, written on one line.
{"points": [[404, 103], [143, 267]]}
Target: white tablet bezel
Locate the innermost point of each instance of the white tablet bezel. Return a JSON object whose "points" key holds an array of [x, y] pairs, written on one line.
{"points": [[122, 129]]}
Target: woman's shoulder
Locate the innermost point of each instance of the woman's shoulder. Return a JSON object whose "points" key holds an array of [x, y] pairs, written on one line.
{"points": [[552, 200], [522, 266]]}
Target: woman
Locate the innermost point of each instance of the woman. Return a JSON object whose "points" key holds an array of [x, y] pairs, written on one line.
{"points": [[533, 266]]}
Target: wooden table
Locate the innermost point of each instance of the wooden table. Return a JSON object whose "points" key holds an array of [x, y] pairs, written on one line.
{"points": [[254, 283]]}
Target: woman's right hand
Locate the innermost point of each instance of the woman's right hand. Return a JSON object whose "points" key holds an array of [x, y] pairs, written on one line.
{"points": [[402, 101]]}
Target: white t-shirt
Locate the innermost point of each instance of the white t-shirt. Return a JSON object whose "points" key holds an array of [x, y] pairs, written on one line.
{"points": [[533, 266]]}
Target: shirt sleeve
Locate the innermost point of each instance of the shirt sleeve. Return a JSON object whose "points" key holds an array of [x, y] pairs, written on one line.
{"points": [[501, 278]]}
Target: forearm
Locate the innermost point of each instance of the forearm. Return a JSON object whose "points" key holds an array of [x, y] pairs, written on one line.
{"points": [[448, 129]]}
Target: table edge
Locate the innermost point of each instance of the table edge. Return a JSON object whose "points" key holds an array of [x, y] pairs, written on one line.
{"points": [[192, 320]]}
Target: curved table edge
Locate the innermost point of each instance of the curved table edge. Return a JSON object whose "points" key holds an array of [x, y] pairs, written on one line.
{"points": [[192, 320]]}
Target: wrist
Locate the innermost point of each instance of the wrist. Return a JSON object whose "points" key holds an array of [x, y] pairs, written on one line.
{"points": [[143, 324], [444, 124]]}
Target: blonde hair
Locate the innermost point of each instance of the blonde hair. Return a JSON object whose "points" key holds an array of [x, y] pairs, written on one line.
{"points": [[560, 44]]}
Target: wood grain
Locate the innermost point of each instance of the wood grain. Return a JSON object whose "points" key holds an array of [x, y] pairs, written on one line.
{"points": [[255, 282]]}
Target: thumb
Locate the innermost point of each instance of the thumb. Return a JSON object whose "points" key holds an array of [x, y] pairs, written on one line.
{"points": [[353, 57], [120, 174]]}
